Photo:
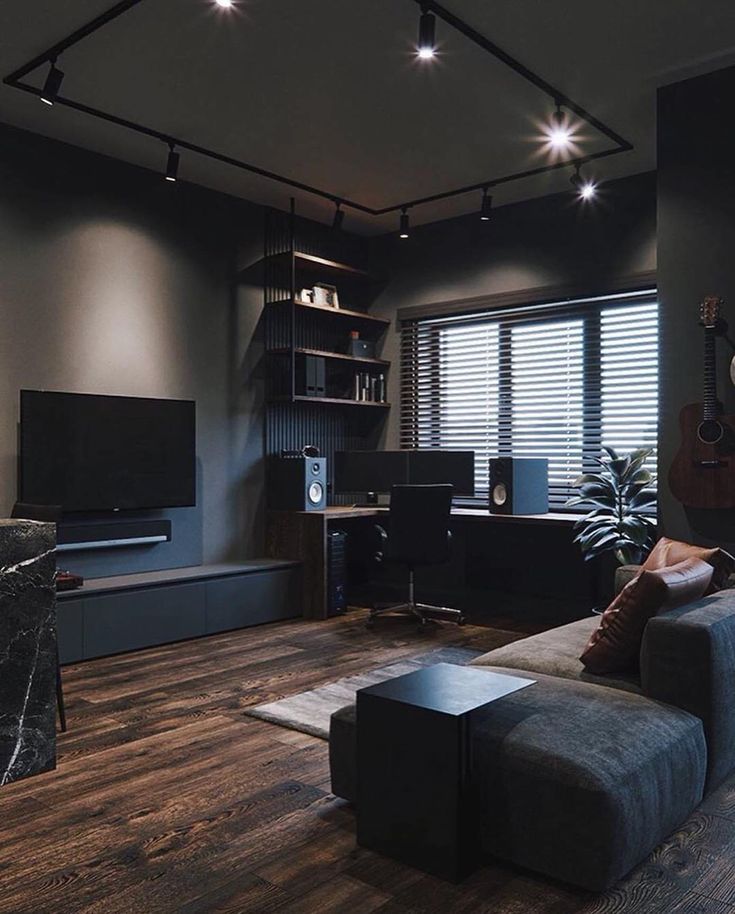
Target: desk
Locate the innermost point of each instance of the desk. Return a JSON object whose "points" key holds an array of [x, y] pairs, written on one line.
{"points": [[302, 536]]}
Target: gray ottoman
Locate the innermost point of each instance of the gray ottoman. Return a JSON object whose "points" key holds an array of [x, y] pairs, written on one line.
{"points": [[573, 780]]}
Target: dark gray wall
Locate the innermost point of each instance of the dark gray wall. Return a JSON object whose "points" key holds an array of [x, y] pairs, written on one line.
{"points": [[696, 215], [549, 242], [113, 281]]}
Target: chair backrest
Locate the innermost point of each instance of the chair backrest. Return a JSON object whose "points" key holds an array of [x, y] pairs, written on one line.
{"points": [[419, 524], [49, 513]]}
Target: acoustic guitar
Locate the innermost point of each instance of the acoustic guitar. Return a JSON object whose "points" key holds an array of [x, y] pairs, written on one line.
{"points": [[702, 474]]}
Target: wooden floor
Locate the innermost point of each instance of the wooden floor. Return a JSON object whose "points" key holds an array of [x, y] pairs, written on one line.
{"points": [[168, 799]]}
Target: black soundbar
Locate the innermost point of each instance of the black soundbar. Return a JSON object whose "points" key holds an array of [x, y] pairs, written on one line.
{"points": [[111, 534]]}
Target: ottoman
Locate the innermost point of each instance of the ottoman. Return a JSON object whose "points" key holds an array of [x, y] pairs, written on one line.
{"points": [[573, 780]]}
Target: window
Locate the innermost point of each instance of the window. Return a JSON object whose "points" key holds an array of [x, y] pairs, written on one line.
{"points": [[554, 381]]}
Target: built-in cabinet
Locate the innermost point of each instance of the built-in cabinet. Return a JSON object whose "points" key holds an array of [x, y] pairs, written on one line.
{"points": [[113, 615]]}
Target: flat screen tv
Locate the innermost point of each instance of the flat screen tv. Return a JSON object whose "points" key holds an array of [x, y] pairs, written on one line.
{"points": [[97, 453]]}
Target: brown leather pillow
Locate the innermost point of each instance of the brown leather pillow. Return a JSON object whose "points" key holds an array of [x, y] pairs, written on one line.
{"points": [[668, 552], [616, 644]]}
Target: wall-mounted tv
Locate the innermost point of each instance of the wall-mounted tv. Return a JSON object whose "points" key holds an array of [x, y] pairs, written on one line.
{"points": [[97, 453]]}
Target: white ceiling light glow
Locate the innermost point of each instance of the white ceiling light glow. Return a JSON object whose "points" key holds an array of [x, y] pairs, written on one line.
{"points": [[588, 190], [585, 188], [559, 134]]}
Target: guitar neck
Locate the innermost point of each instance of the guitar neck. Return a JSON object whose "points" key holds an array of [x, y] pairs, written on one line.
{"points": [[711, 408]]}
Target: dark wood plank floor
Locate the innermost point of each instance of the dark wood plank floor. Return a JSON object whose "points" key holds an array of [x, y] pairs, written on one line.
{"points": [[168, 798]]}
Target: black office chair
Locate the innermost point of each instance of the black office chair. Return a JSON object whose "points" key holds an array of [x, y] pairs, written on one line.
{"points": [[419, 535], [50, 514]]}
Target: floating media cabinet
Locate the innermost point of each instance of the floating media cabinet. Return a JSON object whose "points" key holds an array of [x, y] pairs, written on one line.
{"points": [[117, 614]]}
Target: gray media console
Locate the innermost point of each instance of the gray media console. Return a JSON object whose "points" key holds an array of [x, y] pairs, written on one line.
{"points": [[112, 615]]}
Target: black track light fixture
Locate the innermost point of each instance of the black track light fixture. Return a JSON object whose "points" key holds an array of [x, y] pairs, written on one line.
{"points": [[487, 205], [52, 85], [339, 217], [172, 166], [586, 189], [426, 47], [403, 227], [559, 133]]}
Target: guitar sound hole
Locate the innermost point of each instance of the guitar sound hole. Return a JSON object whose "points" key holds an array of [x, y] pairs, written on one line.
{"points": [[710, 431]]}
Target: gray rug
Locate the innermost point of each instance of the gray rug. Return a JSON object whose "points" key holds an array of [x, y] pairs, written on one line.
{"points": [[310, 711]]}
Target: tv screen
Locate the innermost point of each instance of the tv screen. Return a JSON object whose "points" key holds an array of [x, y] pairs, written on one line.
{"points": [[96, 453]]}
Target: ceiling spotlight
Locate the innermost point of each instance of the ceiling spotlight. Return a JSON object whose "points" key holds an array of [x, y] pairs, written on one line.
{"points": [[558, 133], [426, 47], [225, 4], [339, 217], [588, 190], [487, 205], [403, 228], [584, 187], [52, 85], [172, 166]]}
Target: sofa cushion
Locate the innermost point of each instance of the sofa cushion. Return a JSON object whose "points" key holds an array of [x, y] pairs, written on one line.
{"points": [[616, 644], [582, 783], [668, 552], [343, 752], [556, 653], [688, 660]]}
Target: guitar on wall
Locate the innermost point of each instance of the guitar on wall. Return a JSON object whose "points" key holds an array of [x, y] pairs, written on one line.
{"points": [[702, 474]]}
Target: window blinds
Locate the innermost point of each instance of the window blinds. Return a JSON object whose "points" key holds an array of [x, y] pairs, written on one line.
{"points": [[554, 381]]}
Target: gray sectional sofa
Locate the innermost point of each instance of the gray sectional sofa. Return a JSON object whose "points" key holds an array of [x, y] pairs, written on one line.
{"points": [[580, 777]]}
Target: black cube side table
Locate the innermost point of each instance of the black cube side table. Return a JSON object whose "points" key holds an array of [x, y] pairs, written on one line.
{"points": [[413, 765]]}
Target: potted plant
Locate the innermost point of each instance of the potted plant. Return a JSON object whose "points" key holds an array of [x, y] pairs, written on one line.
{"points": [[619, 493]]}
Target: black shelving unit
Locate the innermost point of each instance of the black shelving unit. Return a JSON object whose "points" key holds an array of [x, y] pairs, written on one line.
{"points": [[295, 257]]}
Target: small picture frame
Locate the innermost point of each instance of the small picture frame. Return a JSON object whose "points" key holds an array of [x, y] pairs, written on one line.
{"points": [[326, 295]]}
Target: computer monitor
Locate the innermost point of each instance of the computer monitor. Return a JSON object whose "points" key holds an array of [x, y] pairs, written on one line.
{"points": [[369, 471], [379, 471], [434, 467]]}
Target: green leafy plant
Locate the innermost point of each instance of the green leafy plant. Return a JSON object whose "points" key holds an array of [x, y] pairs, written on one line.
{"points": [[620, 494]]}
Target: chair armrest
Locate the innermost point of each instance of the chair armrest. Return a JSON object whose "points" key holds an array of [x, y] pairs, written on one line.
{"points": [[688, 660]]}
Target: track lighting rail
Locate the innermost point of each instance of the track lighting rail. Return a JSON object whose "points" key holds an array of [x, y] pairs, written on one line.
{"points": [[16, 80]]}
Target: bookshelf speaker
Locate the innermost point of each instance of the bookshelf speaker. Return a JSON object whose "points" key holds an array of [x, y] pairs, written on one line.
{"points": [[298, 484], [519, 485]]}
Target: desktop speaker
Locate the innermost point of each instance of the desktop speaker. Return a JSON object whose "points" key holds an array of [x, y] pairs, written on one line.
{"points": [[519, 485], [298, 484]]}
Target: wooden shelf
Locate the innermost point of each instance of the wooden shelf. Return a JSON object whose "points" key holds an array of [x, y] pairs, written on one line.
{"points": [[320, 264], [334, 401], [339, 313], [337, 356]]}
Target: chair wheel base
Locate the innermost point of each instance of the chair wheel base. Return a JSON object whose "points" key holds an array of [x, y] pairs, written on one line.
{"points": [[421, 613]]}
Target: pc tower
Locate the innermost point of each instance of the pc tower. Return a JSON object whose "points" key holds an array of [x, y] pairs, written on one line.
{"points": [[519, 485], [298, 484], [336, 572]]}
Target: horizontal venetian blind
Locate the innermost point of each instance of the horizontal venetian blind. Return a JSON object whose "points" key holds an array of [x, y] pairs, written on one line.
{"points": [[554, 381]]}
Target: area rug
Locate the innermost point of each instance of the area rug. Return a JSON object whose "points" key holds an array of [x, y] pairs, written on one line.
{"points": [[310, 711]]}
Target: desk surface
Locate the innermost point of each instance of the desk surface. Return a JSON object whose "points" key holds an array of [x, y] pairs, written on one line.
{"points": [[472, 514]]}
